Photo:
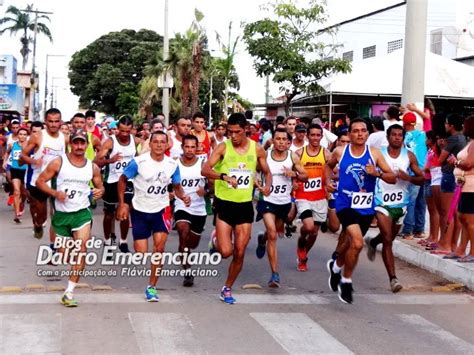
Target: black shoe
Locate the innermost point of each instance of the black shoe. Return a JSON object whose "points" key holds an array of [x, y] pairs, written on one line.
{"points": [[324, 227], [262, 244], [288, 233], [334, 278], [188, 281], [113, 238], [345, 292], [292, 228], [123, 247], [16, 220]]}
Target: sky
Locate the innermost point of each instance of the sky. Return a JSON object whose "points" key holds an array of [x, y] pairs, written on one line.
{"points": [[75, 24]]}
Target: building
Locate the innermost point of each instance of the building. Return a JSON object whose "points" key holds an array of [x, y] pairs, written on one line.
{"points": [[12, 95]]}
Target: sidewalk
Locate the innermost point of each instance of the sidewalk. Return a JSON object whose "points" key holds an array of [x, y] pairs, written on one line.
{"points": [[415, 254]]}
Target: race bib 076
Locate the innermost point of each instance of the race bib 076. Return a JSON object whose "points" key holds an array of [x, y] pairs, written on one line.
{"points": [[362, 200]]}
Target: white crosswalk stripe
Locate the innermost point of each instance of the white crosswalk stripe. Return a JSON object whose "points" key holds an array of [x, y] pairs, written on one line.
{"points": [[164, 333], [30, 333], [299, 334], [457, 345]]}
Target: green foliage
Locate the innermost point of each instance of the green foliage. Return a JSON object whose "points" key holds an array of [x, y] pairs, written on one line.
{"points": [[289, 48], [106, 74]]}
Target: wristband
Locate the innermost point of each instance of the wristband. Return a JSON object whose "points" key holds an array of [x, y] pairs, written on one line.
{"points": [[222, 176]]}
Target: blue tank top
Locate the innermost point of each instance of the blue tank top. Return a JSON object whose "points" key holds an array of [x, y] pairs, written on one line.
{"points": [[15, 155], [356, 187]]}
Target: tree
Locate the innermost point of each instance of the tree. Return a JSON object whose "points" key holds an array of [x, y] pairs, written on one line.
{"points": [[199, 43], [149, 96], [24, 22], [289, 48], [106, 74]]}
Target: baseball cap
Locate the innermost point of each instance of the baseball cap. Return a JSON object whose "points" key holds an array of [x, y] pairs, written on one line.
{"points": [[112, 125], [79, 134], [300, 127], [409, 118]]}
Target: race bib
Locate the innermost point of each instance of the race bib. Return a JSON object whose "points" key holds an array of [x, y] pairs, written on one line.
{"points": [[242, 176], [120, 166], [313, 184], [362, 200], [279, 189], [394, 197], [16, 154]]}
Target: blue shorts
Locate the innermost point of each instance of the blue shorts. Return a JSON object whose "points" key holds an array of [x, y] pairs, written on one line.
{"points": [[145, 224], [448, 183], [428, 191]]}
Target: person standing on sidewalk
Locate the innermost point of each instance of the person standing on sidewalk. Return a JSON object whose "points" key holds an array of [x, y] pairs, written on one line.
{"points": [[391, 200], [233, 165], [72, 217]]}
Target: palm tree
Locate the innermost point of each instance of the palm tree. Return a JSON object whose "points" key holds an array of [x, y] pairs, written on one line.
{"points": [[197, 35], [149, 96], [20, 21]]}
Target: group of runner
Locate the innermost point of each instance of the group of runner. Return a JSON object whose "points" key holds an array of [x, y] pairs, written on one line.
{"points": [[167, 176]]}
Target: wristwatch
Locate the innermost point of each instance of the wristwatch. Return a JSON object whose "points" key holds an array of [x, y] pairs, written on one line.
{"points": [[222, 176]]}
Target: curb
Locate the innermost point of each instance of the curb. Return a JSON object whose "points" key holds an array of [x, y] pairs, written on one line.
{"points": [[449, 269]]}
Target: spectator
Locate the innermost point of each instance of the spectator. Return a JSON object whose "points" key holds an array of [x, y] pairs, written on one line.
{"points": [[426, 114], [378, 139], [392, 116]]}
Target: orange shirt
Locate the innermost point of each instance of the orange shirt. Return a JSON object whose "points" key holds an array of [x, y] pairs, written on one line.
{"points": [[313, 189]]}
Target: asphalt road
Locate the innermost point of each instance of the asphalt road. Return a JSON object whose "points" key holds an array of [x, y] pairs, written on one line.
{"points": [[303, 316]]}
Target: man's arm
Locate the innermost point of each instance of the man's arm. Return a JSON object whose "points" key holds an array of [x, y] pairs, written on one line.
{"points": [[262, 161], [6, 155], [329, 167], [31, 144], [100, 159], [129, 173], [96, 143], [300, 172], [50, 172], [418, 179], [208, 166], [98, 190], [387, 174]]}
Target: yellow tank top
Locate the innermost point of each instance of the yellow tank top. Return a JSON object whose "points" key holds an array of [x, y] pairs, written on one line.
{"points": [[313, 189]]}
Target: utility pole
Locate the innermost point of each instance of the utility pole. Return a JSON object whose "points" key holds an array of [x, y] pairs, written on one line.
{"points": [[33, 114], [413, 88], [267, 89], [166, 91], [46, 79]]}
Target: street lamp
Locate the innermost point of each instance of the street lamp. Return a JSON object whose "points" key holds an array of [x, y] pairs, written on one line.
{"points": [[46, 78]]}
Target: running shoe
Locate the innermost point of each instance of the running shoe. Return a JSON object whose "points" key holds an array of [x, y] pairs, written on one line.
{"points": [[226, 295], [10, 200], [274, 280], [16, 220], [68, 300], [151, 294], [288, 233], [113, 238], [123, 247], [38, 232], [302, 264], [324, 227], [345, 292], [188, 281], [371, 251], [212, 245], [262, 245], [334, 278], [395, 285]]}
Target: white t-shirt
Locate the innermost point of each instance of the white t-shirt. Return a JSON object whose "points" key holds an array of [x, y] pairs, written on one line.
{"points": [[328, 138], [378, 140]]}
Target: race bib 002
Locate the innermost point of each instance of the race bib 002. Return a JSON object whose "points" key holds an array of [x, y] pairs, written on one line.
{"points": [[313, 184], [362, 200]]}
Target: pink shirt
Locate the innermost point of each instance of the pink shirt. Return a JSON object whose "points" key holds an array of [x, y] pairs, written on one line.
{"points": [[427, 121], [432, 161]]}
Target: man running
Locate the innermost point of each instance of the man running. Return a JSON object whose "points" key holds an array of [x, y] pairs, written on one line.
{"points": [[183, 127], [237, 163], [284, 165], [190, 220], [199, 130], [151, 172], [354, 203], [391, 200], [115, 155], [310, 195], [72, 217], [47, 145]]}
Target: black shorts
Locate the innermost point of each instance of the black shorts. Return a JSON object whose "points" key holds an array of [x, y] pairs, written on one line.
{"points": [[37, 194], [348, 217], [197, 222], [18, 174], [280, 211], [111, 195], [234, 213], [466, 203]]}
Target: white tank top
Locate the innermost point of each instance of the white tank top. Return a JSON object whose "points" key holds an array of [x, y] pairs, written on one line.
{"points": [[128, 152], [393, 195], [49, 149], [151, 183], [294, 148], [281, 185], [74, 181], [176, 150], [191, 181]]}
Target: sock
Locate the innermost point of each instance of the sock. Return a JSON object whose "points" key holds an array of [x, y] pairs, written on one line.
{"points": [[392, 277], [108, 242], [336, 268], [376, 241], [123, 241], [346, 281], [70, 286], [150, 286]]}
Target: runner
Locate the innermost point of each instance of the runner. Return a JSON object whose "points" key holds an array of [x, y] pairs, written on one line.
{"points": [[151, 172], [175, 138], [72, 217], [190, 220], [391, 200], [354, 202], [219, 135], [47, 145], [17, 172], [237, 162], [274, 208], [299, 140], [310, 195], [115, 155], [199, 130]]}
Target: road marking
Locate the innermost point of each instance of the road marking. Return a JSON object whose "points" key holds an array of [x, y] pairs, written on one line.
{"points": [[30, 333], [163, 333], [279, 299], [427, 299], [457, 345], [299, 334]]}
